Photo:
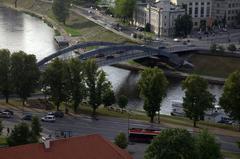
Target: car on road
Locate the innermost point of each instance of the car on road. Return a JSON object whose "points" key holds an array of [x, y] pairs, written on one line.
{"points": [[176, 40], [27, 117], [9, 111], [5, 115], [140, 29], [48, 118], [57, 114]]}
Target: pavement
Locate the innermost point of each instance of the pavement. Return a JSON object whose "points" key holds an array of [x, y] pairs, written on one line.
{"points": [[109, 127]]}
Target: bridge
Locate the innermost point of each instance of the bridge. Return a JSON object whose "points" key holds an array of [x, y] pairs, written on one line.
{"points": [[111, 53]]}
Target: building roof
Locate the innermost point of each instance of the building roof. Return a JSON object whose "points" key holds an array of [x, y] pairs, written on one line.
{"points": [[83, 147]]}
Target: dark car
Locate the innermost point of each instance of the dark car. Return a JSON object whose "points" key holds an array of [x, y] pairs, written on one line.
{"points": [[59, 114], [9, 111], [27, 117]]}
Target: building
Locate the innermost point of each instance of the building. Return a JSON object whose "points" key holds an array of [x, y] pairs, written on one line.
{"points": [[160, 15], [226, 9], [83, 147], [200, 10]]}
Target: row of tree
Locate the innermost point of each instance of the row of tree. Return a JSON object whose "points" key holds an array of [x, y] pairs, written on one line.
{"points": [[214, 48], [197, 100]]}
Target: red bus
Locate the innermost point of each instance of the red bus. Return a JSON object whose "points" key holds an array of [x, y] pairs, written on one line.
{"points": [[142, 135]]}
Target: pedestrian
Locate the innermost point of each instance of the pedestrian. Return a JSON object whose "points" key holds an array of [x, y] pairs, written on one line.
{"points": [[8, 131]]}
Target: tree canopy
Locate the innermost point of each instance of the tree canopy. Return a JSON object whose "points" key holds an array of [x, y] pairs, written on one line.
{"points": [[230, 99], [197, 98], [183, 25], [122, 101], [5, 73], [152, 85], [25, 74], [121, 140], [35, 129], [171, 143], [61, 9], [124, 9], [96, 84]]}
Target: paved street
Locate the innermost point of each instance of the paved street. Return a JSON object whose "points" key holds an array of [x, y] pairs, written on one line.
{"points": [[106, 126]]}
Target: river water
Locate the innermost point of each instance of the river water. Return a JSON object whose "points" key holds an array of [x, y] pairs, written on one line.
{"points": [[19, 31]]}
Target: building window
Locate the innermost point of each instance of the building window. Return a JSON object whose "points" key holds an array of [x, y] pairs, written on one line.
{"points": [[229, 5], [196, 12], [229, 11], [218, 5], [208, 11], [190, 11], [190, 3], [196, 23], [196, 3], [208, 3], [202, 11], [202, 3]]}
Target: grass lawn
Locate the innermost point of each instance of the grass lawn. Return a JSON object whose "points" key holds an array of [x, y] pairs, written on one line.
{"points": [[76, 25], [3, 141], [214, 65]]}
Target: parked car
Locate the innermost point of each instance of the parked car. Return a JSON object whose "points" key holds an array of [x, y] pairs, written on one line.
{"points": [[59, 114], [5, 115], [48, 118], [9, 111], [176, 40], [27, 117], [140, 28]]}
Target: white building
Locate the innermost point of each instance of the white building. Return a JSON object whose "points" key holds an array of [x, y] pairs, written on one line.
{"points": [[160, 15], [200, 10]]}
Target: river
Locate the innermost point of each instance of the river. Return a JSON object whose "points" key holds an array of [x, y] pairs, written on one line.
{"points": [[19, 31]]}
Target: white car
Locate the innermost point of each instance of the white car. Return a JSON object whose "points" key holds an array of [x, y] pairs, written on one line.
{"points": [[176, 40], [48, 118]]}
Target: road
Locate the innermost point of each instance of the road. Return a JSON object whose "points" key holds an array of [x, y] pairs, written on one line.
{"points": [[106, 126]]}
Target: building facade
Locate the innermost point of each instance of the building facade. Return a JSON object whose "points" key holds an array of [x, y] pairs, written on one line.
{"points": [[226, 9], [200, 10], [160, 15]]}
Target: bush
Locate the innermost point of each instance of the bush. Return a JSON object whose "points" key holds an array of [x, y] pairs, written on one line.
{"points": [[213, 48], [121, 140], [148, 27], [232, 47], [221, 49]]}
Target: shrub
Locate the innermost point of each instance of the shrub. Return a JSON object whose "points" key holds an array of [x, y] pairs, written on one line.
{"points": [[121, 140]]}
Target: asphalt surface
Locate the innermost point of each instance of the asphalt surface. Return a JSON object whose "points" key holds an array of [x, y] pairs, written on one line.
{"points": [[106, 126]]}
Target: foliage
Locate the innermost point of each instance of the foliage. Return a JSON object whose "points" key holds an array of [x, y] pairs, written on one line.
{"points": [[5, 78], [121, 140], [171, 143], [55, 77], [238, 18], [1, 127], [61, 9], [75, 82], [25, 74], [20, 135], [122, 101], [148, 27], [207, 146], [124, 9], [232, 47], [213, 48], [230, 99], [183, 25], [152, 85], [96, 83], [109, 98], [197, 98], [36, 129]]}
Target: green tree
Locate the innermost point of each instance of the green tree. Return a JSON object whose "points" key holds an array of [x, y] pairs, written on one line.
{"points": [[232, 48], [207, 146], [96, 83], [20, 135], [183, 25], [5, 75], [55, 77], [109, 98], [76, 85], [122, 101], [121, 140], [25, 74], [124, 9], [197, 98], [61, 9], [213, 48], [230, 99], [35, 129], [153, 85], [171, 143], [1, 127]]}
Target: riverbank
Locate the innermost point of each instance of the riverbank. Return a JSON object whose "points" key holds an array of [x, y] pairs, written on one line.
{"points": [[78, 28]]}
